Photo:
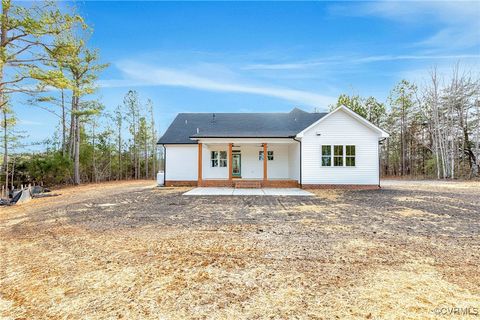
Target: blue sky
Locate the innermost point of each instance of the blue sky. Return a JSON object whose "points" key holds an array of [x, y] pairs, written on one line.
{"points": [[268, 56]]}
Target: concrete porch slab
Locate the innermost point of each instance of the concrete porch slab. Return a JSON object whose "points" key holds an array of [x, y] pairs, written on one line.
{"points": [[248, 192]]}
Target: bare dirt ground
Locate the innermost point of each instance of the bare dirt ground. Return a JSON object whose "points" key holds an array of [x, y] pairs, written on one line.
{"points": [[128, 250]]}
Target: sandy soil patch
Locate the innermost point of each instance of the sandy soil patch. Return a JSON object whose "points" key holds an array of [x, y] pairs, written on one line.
{"points": [[408, 212]]}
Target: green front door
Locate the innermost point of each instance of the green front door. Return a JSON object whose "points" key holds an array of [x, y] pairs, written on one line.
{"points": [[236, 165]]}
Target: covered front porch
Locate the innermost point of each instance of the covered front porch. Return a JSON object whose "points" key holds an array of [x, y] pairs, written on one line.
{"points": [[248, 163]]}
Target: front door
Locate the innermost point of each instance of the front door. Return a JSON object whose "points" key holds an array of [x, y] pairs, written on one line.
{"points": [[236, 165]]}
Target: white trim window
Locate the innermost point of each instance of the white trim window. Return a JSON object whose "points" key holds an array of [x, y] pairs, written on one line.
{"points": [[269, 155], [218, 158], [350, 156], [338, 156], [326, 156], [343, 156]]}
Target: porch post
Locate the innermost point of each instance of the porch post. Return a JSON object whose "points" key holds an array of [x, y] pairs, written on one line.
{"points": [[230, 161], [200, 149], [265, 156]]}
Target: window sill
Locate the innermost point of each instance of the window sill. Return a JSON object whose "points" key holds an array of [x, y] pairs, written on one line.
{"points": [[338, 167]]}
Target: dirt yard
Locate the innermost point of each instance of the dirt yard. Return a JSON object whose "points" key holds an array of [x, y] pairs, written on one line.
{"points": [[132, 251]]}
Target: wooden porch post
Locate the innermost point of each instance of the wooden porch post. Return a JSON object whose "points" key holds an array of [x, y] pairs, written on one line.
{"points": [[265, 158], [230, 161], [200, 149]]}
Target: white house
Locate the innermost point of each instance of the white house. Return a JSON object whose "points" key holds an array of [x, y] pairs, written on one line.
{"points": [[298, 148]]}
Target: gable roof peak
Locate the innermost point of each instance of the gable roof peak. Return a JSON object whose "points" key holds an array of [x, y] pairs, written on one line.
{"points": [[297, 110]]}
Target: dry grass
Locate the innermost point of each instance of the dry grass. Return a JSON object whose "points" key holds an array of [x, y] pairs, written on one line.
{"points": [[167, 190], [409, 212], [328, 194], [327, 209], [447, 202], [310, 264], [411, 291], [430, 185], [73, 194], [193, 274]]}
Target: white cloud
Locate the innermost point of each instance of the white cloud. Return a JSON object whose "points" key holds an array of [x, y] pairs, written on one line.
{"points": [[284, 66], [356, 60], [458, 21], [138, 74], [414, 57]]}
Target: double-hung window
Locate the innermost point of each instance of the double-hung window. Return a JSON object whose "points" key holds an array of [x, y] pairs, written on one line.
{"points": [[350, 156], [269, 155], [338, 156], [326, 156], [218, 158]]}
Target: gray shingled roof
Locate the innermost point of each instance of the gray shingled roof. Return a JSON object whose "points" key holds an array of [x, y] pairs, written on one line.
{"points": [[237, 125]]}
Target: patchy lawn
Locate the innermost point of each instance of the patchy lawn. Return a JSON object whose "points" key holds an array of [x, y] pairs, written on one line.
{"points": [[131, 251]]}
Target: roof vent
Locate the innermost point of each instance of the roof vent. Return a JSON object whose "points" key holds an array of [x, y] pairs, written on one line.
{"points": [[186, 121], [198, 130], [213, 117]]}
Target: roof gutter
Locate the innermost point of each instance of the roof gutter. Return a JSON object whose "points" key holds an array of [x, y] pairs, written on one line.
{"points": [[241, 137]]}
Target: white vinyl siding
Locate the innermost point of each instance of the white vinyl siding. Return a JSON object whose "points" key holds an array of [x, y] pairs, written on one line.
{"points": [[181, 162], [294, 161], [214, 172], [340, 129]]}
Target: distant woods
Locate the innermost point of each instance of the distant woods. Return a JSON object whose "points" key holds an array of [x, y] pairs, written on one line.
{"points": [[47, 64], [434, 128]]}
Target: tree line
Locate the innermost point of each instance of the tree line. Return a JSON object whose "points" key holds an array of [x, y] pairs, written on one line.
{"points": [[434, 128], [46, 60]]}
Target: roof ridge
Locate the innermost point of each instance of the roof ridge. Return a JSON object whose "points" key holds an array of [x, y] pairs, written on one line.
{"points": [[241, 112]]}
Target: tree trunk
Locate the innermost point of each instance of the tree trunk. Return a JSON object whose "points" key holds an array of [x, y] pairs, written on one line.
{"points": [[64, 125], [94, 164], [119, 153], [146, 156], [76, 159], [13, 173], [72, 128], [3, 45], [76, 145], [5, 147]]}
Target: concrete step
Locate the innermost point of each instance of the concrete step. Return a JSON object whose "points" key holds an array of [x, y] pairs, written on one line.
{"points": [[248, 185]]}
